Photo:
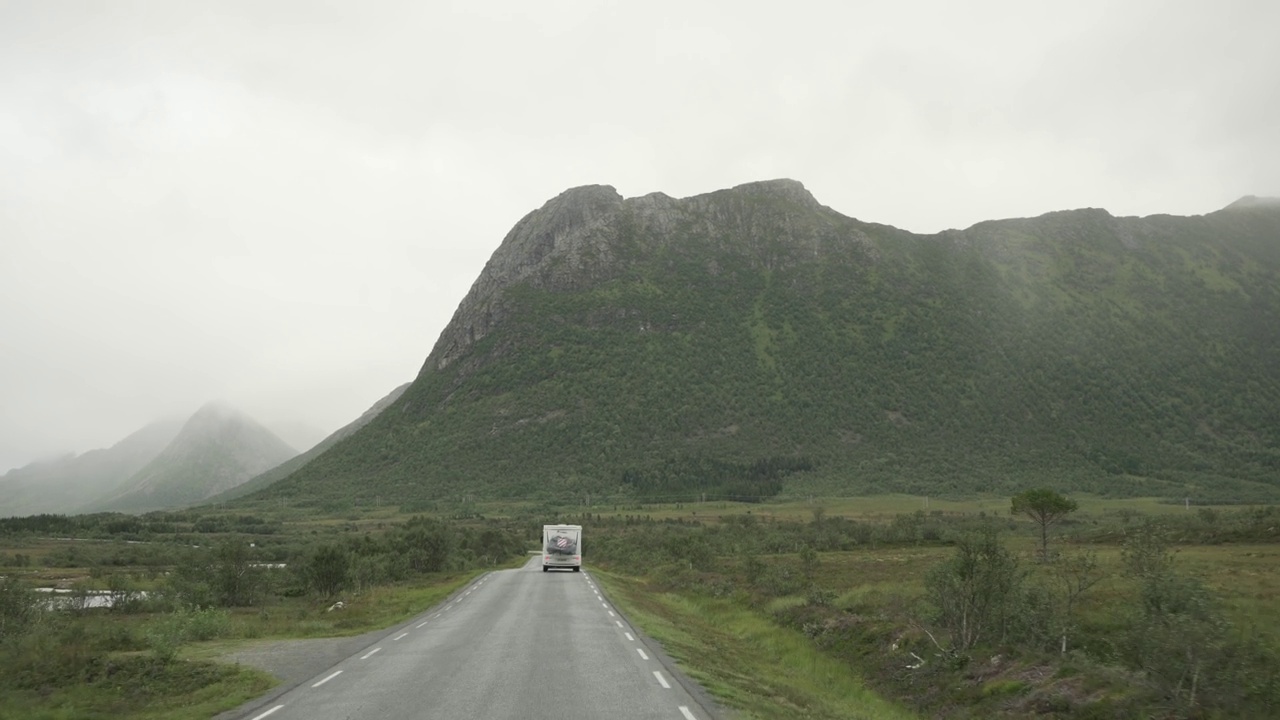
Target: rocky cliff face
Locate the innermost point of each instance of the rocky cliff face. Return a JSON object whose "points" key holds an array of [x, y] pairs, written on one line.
{"points": [[574, 242]]}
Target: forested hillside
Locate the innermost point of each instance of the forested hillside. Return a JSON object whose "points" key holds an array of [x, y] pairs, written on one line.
{"points": [[751, 340], [287, 467]]}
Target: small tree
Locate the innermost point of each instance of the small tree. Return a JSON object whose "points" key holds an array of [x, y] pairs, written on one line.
{"points": [[1046, 507], [327, 570], [809, 562], [233, 578], [1075, 576], [1177, 634], [18, 608], [978, 592]]}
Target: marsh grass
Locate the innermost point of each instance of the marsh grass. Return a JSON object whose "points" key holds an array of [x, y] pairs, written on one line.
{"points": [[750, 664], [865, 611]]}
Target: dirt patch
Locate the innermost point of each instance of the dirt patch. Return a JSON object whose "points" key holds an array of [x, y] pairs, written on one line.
{"points": [[294, 661]]}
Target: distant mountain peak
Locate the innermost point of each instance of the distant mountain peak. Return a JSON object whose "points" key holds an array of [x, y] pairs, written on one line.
{"points": [[218, 448], [217, 408], [780, 187], [1254, 201]]}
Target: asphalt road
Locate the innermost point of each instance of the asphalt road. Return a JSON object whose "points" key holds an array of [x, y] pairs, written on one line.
{"points": [[513, 644]]}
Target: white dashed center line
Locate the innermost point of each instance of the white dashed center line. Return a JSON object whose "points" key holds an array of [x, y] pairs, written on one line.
{"points": [[629, 638], [661, 680], [401, 635], [642, 655], [424, 622], [334, 675], [369, 654], [619, 622], [268, 712], [687, 715]]}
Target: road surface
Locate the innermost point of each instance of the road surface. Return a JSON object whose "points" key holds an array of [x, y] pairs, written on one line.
{"points": [[513, 644]]}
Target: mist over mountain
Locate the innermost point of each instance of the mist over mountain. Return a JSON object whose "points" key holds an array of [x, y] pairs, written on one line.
{"points": [[66, 484], [752, 340], [284, 469], [296, 433], [216, 449]]}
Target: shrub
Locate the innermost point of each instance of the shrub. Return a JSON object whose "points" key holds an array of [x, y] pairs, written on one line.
{"points": [[977, 594], [18, 607], [167, 634]]}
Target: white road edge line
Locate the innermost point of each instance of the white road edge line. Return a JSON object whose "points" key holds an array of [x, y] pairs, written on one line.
{"points": [[336, 674], [400, 636], [369, 654], [661, 680], [629, 638], [268, 712], [685, 712], [642, 655]]}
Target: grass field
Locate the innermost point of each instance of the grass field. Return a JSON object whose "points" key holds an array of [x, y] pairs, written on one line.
{"points": [[752, 666], [733, 643], [734, 639], [871, 507]]}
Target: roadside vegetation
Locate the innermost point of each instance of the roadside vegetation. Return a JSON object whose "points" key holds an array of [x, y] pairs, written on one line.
{"points": [[883, 607], [142, 597], [962, 615]]}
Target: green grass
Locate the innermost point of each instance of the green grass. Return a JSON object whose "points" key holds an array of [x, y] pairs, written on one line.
{"points": [[195, 685], [752, 666], [869, 507], [744, 641], [141, 689], [300, 618]]}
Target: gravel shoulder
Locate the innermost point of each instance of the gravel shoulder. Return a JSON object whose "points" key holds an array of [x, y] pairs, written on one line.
{"points": [[293, 661], [296, 660]]}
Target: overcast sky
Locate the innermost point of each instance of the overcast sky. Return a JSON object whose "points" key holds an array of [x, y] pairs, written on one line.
{"points": [[279, 205]]}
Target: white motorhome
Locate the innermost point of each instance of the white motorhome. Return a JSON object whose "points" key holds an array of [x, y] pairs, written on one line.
{"points": [[562, 547]]}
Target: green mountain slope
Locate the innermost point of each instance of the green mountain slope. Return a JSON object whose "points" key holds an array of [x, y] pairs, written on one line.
{"points": [[751, 339], [290, 466], [217, 449]]}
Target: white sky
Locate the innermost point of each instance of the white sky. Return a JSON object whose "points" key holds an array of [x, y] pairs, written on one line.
{"points": [[279, 205]]}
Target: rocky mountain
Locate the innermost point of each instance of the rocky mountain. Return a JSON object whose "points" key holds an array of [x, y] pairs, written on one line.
{"points": [[217, 449], [64, 485], [751, 340], [284, 469]]}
